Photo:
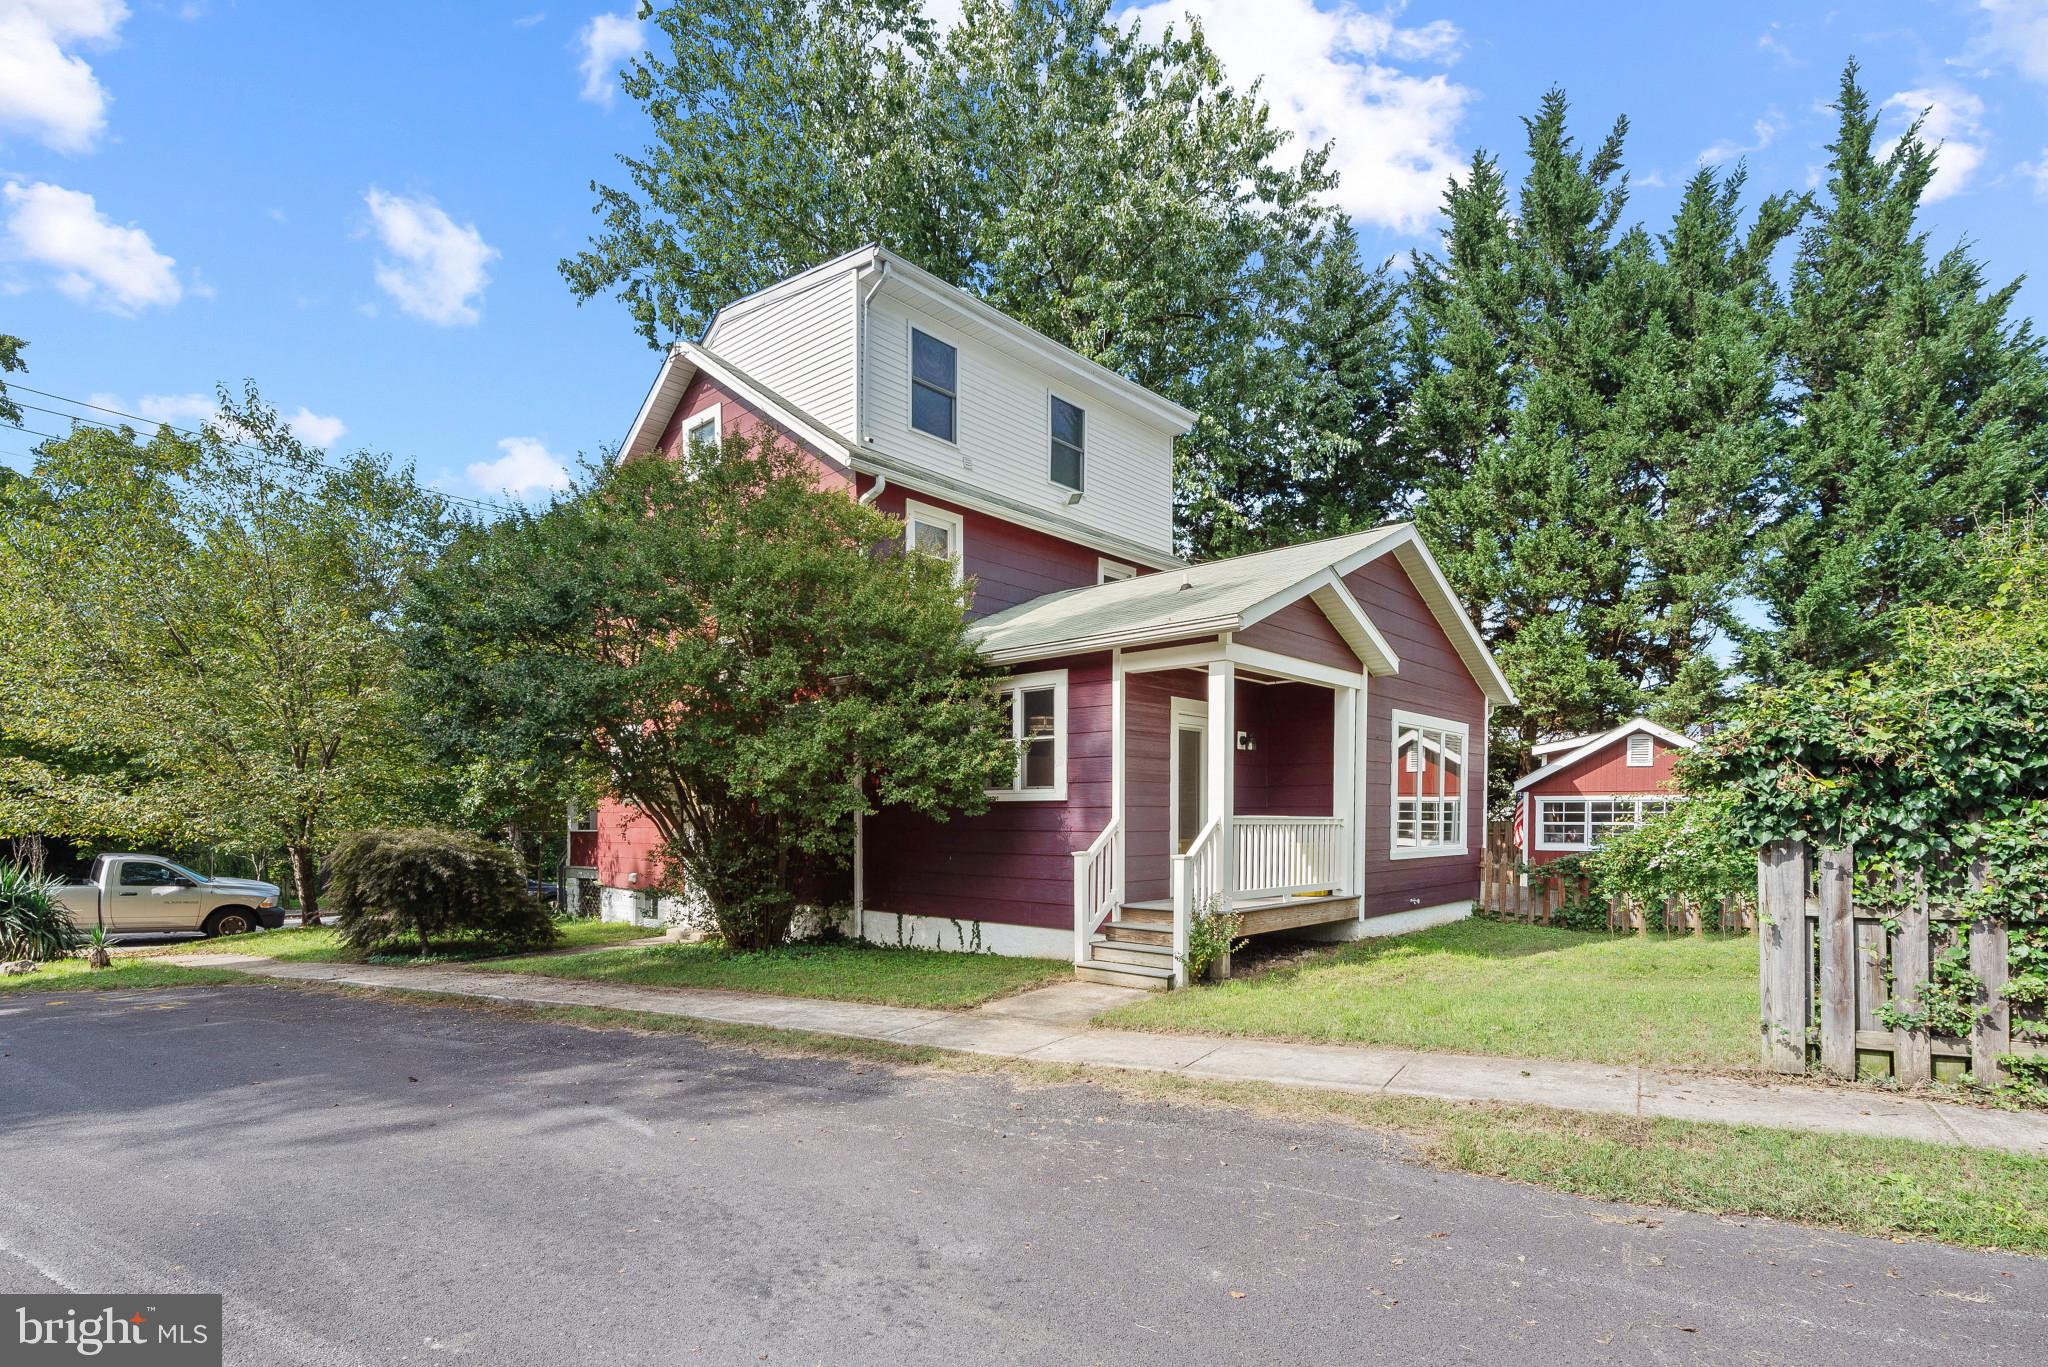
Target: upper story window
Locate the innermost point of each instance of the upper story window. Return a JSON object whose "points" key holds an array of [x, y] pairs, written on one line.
{"points": [[1429, 786], [934, 531], [701, 430], [1034, 706], [1642, 752], [1069, 431], [934, 386], [1110, 571]]}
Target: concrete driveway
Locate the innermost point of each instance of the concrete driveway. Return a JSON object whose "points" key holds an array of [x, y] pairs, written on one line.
{"points": [[371, 1182]]}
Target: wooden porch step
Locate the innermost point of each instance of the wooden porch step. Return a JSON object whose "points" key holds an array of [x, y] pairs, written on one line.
{"points": [[1138, 933], [1147, 913], [1104, 949], [1125, 975]]}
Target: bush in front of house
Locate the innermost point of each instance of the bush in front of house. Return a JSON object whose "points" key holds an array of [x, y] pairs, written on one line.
{"points": [[419, 887], [33, 925], [1693, 853]]}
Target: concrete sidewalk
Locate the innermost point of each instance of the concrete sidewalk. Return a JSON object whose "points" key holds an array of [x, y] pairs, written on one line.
{"points": [[1050, 1026]]}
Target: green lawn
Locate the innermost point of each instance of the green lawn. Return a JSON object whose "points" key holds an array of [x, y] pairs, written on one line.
{"points": [[844, 972], [71, 975], [320, 944], [1488, 987]]}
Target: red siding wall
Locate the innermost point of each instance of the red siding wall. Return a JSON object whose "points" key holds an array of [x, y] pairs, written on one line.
{"points": [[1148, 768], [1300, 630], [626, 844], [736, 418], [1605, 773], [1008, 563], [1013, 863], [1433, 680]]}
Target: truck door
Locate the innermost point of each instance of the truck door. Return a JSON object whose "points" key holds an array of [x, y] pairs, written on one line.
{"points": [[148, 895]]}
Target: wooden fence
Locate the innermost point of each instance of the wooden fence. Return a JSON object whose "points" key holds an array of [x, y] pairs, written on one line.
{"points": [[1511, 891], [1829, 967]]}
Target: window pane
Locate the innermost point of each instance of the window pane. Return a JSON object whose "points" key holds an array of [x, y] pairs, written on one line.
{"points": [[932, 361], [704, 436], [1187, 797], [1066, 465], [1067, 423], [931, 411], [1404, 823], [1449, 825], [1038, 764], [1408, 764], [1453, 766], [1038, 718], [136, 874]]}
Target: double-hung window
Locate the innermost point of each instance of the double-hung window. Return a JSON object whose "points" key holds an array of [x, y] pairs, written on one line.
{"points": [[1034, 707], [701, 431], [1069, 440], [934, 386], [1580, 823], [1429, 786], [935, 532]]}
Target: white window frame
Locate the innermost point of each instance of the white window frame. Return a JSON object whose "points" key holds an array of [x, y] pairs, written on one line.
{"points": [[1636, 801], [714, 416], [1424, 722], [1648, 743], [1109, 571], [1055, 679], [1051, 441], [911, 328], [956, 532]]}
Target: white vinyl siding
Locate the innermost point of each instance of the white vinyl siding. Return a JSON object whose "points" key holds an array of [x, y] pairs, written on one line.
{"points": [[800, 345], [1580, 823], [1034, 706], [1004, 431]]}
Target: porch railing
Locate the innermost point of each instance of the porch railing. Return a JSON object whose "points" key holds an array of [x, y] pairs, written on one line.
{"points": [[1279, 855], [1098, 885], [1197, 878]]}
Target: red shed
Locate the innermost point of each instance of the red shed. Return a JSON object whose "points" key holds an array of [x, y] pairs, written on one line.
{"points": [[1588, 785]]}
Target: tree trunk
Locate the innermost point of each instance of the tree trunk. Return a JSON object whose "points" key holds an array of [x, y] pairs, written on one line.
{"points": [[305, 882]]}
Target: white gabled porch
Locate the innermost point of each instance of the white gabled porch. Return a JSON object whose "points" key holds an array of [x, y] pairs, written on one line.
{"points": [[1199, 841]]}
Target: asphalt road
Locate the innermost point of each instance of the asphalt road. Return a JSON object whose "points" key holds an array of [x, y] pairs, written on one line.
{"points": [[373, 1182]]}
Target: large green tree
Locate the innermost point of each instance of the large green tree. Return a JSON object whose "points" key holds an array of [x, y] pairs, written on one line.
{"points": [[1596, 405], [1115, 192], [720, 637], [10, 359], [1920, 409], [199, 640]]}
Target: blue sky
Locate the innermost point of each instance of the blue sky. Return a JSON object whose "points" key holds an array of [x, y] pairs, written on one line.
{"points": [[363, 209]]}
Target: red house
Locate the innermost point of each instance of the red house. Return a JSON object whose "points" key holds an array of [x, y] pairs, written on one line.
{"points": [[1298, 734], [1589, 785]]}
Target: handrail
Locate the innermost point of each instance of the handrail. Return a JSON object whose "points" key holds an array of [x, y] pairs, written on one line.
{"points": [[1196, 875], [1281, 855], [1098, 885]]}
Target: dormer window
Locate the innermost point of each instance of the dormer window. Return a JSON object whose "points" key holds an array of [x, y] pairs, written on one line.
{"points": [[934, 386], [1069, 430]]}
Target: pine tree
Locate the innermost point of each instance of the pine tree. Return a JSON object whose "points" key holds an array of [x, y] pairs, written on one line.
{"points": [[1919, 410]]}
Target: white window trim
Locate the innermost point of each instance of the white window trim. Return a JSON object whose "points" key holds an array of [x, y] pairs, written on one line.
{"points": [[1109, 571], [956, 532], [1649, 745], [1544, 801], [1463, 731], [1065, 489], [715, 415], [1056, 679], [911, 328]]}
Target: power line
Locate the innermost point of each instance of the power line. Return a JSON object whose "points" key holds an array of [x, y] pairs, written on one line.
{"points": [[13, 387]]}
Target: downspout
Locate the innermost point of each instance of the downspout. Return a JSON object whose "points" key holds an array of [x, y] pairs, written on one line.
{"points": [[860, 359], [881, 483]]}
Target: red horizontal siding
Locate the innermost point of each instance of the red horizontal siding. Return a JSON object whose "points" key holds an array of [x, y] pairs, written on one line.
{"points": [[1607, 771], [1301, 631]]}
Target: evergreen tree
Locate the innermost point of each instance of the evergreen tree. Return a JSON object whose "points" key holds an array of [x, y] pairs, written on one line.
{"points": [[1920, 410]]}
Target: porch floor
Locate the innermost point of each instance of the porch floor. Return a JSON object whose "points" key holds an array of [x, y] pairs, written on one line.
{"points": [[1266, 914]]}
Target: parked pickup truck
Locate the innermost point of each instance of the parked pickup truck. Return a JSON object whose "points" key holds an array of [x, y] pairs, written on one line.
{"points": [[135, 892]]}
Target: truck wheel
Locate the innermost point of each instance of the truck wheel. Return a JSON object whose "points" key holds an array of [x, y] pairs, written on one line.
{"points": [[229, 921]]}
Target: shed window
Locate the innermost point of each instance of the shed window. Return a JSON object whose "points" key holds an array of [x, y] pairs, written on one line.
{"points": [[1429, 786], [934, 385], [1580, 823], [1069, 429]]}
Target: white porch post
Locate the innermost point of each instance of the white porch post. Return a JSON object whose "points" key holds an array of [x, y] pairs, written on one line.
{"points": [[1223, 773], [1343, 781]]}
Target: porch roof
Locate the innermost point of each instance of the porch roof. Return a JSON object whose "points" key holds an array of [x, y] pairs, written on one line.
{"points": [[1198, 600]]}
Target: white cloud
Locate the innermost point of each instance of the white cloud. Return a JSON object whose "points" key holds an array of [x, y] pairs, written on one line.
{"points": [[2015, 34], [606, 42], [179, 410], [315, 429], [95, 259], [1954, 126], [1769, 42], [2037, 171], [45, 87], [526, 467], [1763, 133], [1333, 74], [435, 269], [190, 412]]}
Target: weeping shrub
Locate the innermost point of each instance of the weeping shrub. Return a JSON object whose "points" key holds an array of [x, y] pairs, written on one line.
{"points": [[392, 888], [32, 923]]}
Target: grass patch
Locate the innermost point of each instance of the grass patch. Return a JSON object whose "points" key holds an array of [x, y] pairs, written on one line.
{"points": [[1489, 987], [840, 971], [1974, 1198], [71, 975], [323, 945]]}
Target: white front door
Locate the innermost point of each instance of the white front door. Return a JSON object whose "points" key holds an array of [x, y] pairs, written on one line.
{"points": [[1189, 782]]}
